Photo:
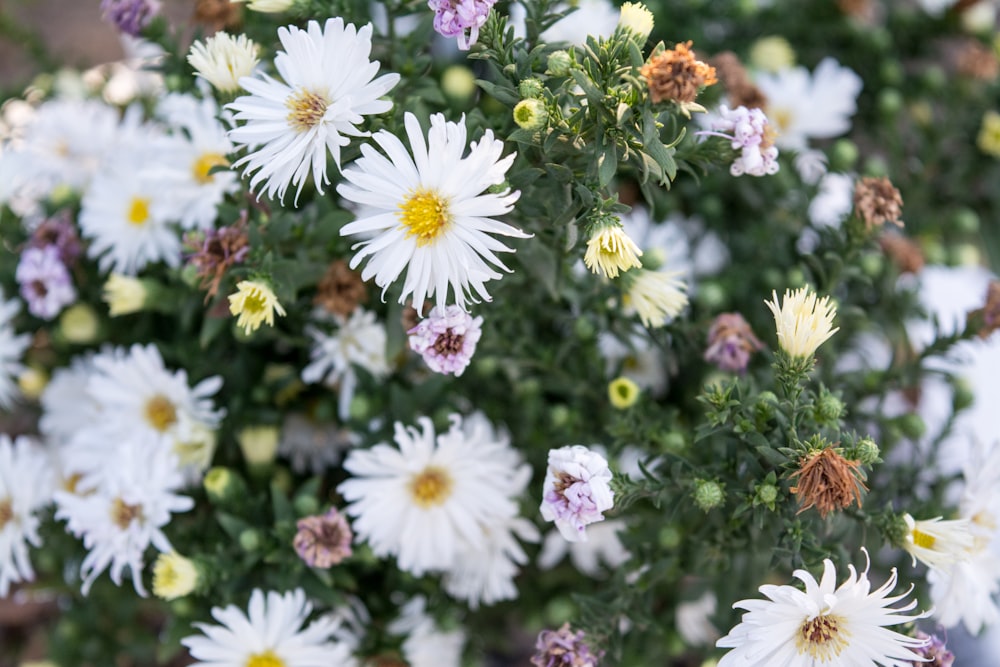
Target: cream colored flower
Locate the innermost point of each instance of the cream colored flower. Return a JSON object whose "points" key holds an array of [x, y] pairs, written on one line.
{"points": [[174, 576], [657, 296], [637, 19], [610, 250], [267, 6], [259, 444], [223, 58], [803, 321], [938, 543], [254, 302], [124, 294]]}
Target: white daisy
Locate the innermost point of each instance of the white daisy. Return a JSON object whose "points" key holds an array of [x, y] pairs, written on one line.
{"points": [[12, 347], [638, 359], [314, 446], [603, 551], [328, 89], [432, 215], [67, 408], [824, 625], [426, 500], [801, 106], [694, 620], [119, 518], [25, 487], [938, 543], [359, 341], [427, 645], [272, 633]]}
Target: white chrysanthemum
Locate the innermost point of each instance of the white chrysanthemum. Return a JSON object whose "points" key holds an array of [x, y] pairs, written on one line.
{"points": [[313, 446], [694, 620], [198, 144], [433, 218], [12, 347], [359, 341], [803, 321], [834, 200], [67, 408], [429, 498], [603, 549], [938, 543], [223, 59], [122, 515], [638, 359], [824, 625], [328, 88], [25, 486], [426, 645], [271, 633], [802, 107]]}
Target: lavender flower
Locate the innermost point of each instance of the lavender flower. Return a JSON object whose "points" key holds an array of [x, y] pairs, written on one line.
{"points": [[447, 339], [323, 541], [45, 282], [576, 491], [453, 17], [934, 651], [748, 130], [731, 342], [564, 648], [60, 232], [129, 16]]}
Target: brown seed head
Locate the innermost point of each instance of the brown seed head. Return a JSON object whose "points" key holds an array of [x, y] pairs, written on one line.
{"points": [[217, 14], [828, 482], [215, 251], [877, 201], [340, 290], [676, 75], [904, 252], [740, 90]]}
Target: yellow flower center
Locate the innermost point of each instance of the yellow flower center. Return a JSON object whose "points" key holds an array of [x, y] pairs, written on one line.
{"points": [[123, 514], [265, 659], [254, 303], [823, 638], [138, 211], [923, 540], [6, 512], [431, 487], [780, 119], [425, 215], [160, 413], [203, 165], [305, 110]]}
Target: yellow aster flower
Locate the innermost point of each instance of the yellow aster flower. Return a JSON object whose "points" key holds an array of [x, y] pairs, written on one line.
{"points": [[124, 294], [254, 302], [623, 393], [259, 444], [989, 134], [174, 576], [803, 321], [657, 296], [610, 250]]}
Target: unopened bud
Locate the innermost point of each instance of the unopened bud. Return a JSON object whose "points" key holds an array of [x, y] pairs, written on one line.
{"points": [[708, 494]]}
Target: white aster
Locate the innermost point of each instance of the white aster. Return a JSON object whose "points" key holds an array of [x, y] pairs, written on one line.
{"points": [[939, 543], [638, 359], [803, 321], [825, 624], [431, 211], [694, 620], [314, 446], [603, 551], [358, 341], [67, 408], [223, 59], [426, 500], [801, 106], [327, 88], [26, 482], [123, 513], [427, 645], [834, 200], [12, 347], [271, 632]]}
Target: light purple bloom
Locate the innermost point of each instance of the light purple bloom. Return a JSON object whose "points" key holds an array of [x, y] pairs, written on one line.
{"points": [[731, 342], [45, 282], [934, 651], [453, 17], [447, 339], [60, 232], [564, 648], [747, 130], [577, 490], [129, 16], [323, 541]]}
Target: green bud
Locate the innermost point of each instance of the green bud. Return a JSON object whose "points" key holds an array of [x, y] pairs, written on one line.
{"points": [[711, 296], [223, 485], [306, 505], [963, 396], [890, 101], [673, 442], [531, 114], [250, 540], [559, 415], [934, 77], [670, 537], [876, 165], [913, 426], [559, 63], [766, 494], [872, 264], [896, 531], [867, 451], [828, 409], [583, 328], [843, 155], [530, 88], [708, 494], [360, 407], [965, 220], [892, 72]]}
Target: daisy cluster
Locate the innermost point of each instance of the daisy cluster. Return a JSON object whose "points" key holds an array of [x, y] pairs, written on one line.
{"points": [[462, 332]]}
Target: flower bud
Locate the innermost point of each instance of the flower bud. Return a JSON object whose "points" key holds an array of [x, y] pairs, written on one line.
{"points": [[223, 485], [32, 382], [559, 63], [867, 451], [828, 409], [708, 494], [458, 82], [530, 88], [79, 324], [766, 494], [250, 540], [259, 444], [623, 393], [531, 114], [124, 295], [174, 576]]}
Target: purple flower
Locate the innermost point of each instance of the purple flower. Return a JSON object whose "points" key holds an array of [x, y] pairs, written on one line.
{"points": [[60, 232], [576, 491], [453, 17], [447, 339], [564, 648], [935, 652], [130, 16], [323, 541], [731, 342], [45, 282], [748, 131]]}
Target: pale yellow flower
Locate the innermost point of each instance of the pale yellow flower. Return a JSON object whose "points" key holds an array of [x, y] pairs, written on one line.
{"points": [[255, 303], [174, 576], [259, 444], [79, 324], [938, 543], [657, 297], [267, 6], [124, 294], [610, 250], [989, 134], [222, 59], [623, 393], [803, 321], [637, 19], [772, 54]]}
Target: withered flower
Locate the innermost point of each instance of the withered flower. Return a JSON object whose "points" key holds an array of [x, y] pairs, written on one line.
{"points": [[213, 252], [731, 342], [676, 75], [877, 201], [740, 89], [217, 14], [828, 481], [976, 60], [340, 290], [903, 251], [323, 541], [989, 314]]}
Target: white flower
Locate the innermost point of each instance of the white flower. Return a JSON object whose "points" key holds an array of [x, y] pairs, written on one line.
{"points": [[328, 88], [67, 408], [803, 321], [823, 625], [430, 210], [12, 347], [589, 17], [637, 19], [802, 107], [694, 620], [938, 543], [358, 341], [638, 359], [426, 645], [833, 201], [426, 500], [657, 296], [313, 446], [25, 487], [120, 515], [577, 490], [603, 549], [966, 592], [272, 632], [223, 59]]}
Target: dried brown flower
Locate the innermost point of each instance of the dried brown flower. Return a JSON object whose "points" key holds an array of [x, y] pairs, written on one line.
{"points": [[323, 541], [860, 10], [828, 481], [903, 251], [213, 252], [976, 60], [217, 14], [989, 314], [340, 290], [740, 90], [877, 201], [675, 74]]}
